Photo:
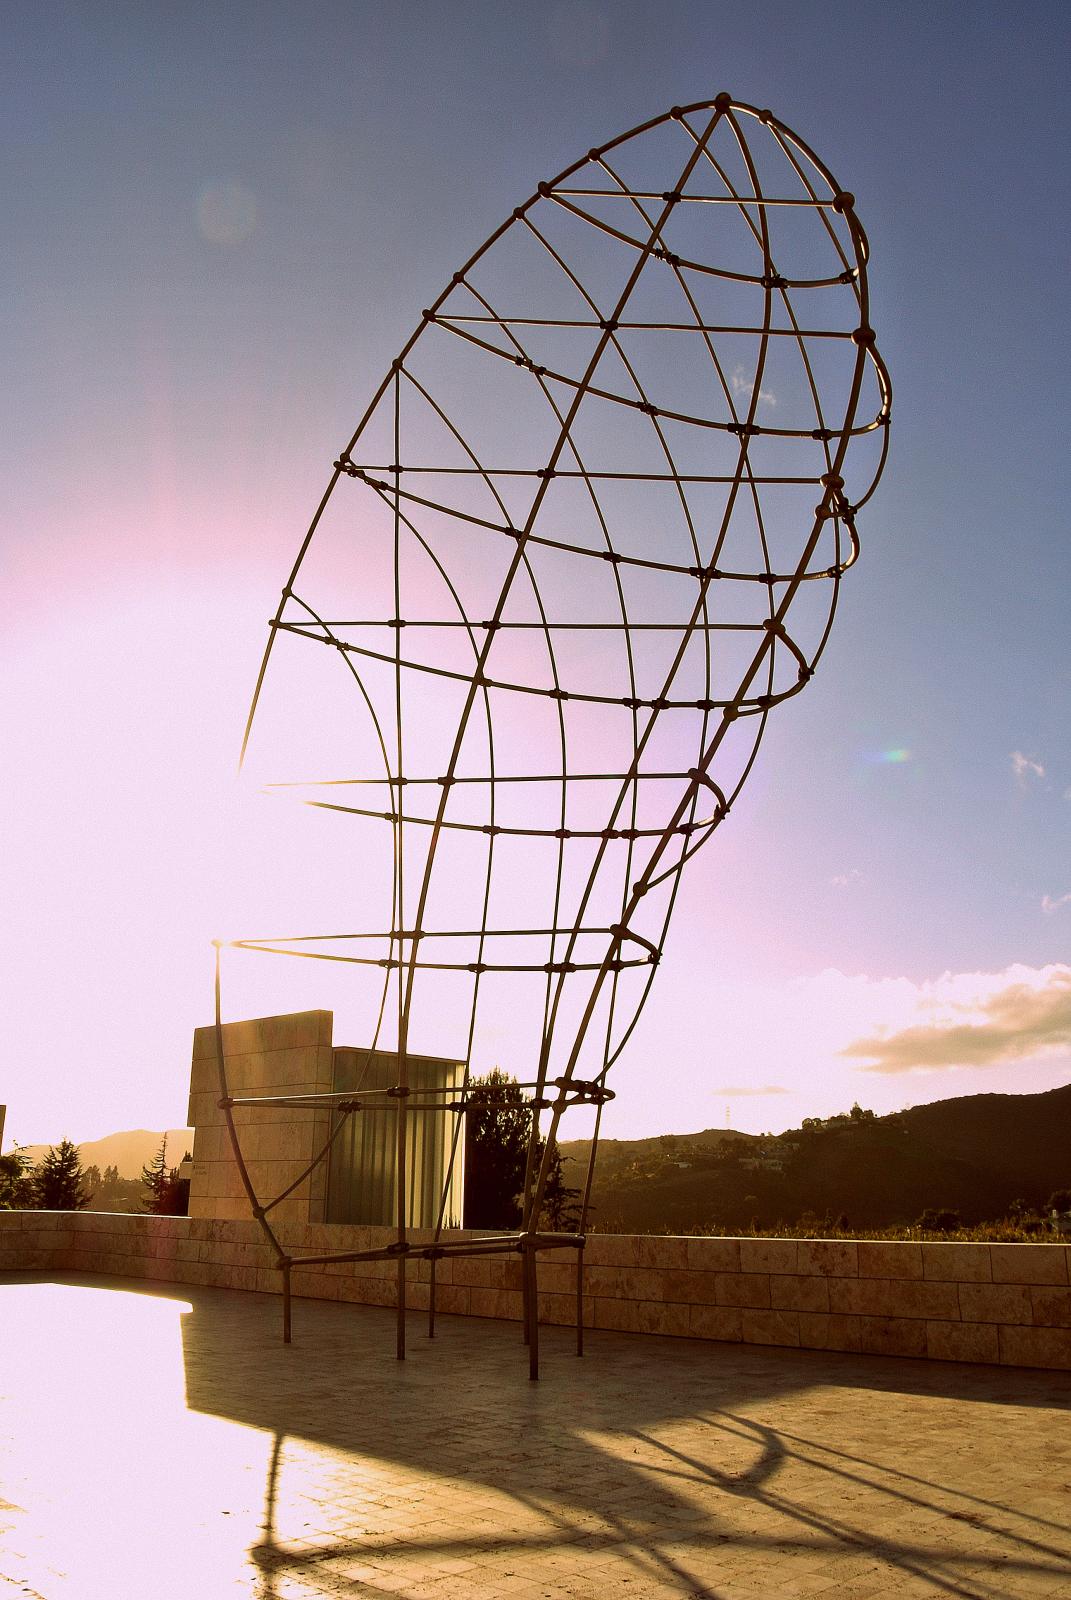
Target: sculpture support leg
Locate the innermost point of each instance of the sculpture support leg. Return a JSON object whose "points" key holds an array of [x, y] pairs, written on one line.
{"points": [[531, 1274], [431, 1300], [580, 1301]]}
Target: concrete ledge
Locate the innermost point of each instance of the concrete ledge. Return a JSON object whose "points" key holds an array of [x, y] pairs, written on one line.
{"points": [[949, 1302]]}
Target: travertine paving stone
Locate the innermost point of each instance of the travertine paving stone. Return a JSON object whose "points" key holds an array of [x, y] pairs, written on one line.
{"points": [[167, 1444]]}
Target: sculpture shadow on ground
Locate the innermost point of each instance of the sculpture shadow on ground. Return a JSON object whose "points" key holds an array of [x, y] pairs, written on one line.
{"points": [[647, 1445]]}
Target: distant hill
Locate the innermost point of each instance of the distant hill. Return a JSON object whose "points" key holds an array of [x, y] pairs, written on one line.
{"points": [[129, 1152], [974, 1155]]}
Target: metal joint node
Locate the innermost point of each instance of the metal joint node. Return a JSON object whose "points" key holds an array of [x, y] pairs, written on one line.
{"points": [[400, 1091], [843, 201], [864, 336]]}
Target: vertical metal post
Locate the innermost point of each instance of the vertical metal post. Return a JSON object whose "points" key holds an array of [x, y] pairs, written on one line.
{"points": [[286, 1300], [580, 1301], [402, 1087], [532, 1276], [431, 1299], [526, 1294]]}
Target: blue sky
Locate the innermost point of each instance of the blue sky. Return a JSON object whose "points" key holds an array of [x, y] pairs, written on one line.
{"points": [[225, 221]]}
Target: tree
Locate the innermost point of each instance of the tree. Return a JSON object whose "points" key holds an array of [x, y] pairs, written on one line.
{"points": [[57, 1181], [16, 1181], [497, 1125], [1059, 1200], [169, 1195]]}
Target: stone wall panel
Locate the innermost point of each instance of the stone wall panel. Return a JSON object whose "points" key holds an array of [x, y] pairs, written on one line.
{"points": [[953, 1311]]}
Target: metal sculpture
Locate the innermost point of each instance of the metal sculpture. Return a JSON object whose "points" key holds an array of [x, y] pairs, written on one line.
{"points": [[555, 565]]}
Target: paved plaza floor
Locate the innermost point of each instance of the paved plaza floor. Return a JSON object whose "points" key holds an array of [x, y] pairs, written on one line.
{"points": [[157, 1445]]}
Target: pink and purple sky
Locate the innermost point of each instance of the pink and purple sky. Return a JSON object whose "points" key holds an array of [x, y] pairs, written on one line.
{"points": [[224, 222]]}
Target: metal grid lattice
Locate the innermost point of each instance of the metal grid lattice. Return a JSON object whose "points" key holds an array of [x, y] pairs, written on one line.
{"points": [[573, 521]]}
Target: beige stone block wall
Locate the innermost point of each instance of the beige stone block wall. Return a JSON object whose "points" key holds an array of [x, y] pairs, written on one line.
{"points": [[264, 1056], [948, 1302]]}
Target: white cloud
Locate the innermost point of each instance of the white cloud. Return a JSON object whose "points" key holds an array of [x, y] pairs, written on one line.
{"points": [[1051, 903], [1025, 768], [744, 385], [844, 879], [734, 1091], [975, 1020]]}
